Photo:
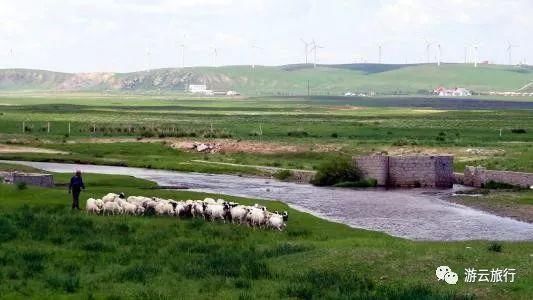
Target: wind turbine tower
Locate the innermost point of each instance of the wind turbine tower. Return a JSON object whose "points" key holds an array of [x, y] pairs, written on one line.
{"points": [[476, 48], [510, 52], [428, 51], [182, 55], [380, 52], [439, 53], [306, 46], [314, 48]]}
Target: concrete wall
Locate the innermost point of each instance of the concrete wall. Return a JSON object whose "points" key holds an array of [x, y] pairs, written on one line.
{"points": [[479, 176], [43, 180], [408, 171]]}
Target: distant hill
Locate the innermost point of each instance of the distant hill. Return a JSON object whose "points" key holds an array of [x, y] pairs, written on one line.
{"points": [[288, 79]]}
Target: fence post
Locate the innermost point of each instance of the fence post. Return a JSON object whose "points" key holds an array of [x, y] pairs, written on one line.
{"points": [[48, 127], [23, 127], [69, 128]]}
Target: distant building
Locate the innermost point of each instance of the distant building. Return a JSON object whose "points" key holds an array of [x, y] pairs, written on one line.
{"points": [[232, 93], [456, 92], [200, 89]]}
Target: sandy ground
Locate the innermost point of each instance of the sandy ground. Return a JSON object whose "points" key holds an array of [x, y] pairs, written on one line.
{"points": [[24, 149], [224, 145]]}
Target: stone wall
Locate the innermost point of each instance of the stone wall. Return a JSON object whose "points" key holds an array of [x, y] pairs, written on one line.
{"points": [[479, 176], [375, 166], [408, 171], [43, 180]]}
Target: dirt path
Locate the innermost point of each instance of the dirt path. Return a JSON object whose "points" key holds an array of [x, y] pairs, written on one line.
{"points": [[24, 149]]}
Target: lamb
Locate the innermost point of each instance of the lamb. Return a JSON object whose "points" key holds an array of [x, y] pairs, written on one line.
{"points": [[238, 213], [112, 208], [91, 206]]}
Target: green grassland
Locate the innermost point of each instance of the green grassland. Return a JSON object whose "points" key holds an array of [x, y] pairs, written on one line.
{"points": [[281, 80], [49, 252], [348, 126]]}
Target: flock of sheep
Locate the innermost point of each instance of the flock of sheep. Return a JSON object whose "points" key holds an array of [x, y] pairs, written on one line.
{"points": [[207, 209]]}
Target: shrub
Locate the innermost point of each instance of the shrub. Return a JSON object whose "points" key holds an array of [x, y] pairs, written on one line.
{"points": [[335, 171], [298, 133], [334, 135], [498, 186], [518, 130], [21, 186], [282, 174], [495, 247]]}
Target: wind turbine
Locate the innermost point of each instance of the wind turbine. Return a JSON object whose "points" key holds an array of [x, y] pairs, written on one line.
{"points": [[475, 46], [306, 45], [439, 54], [314, 48], [510, 51], [380, 52], [182, 45], [428, 49]]}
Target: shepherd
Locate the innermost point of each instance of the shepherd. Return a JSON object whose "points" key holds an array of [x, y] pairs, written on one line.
{"points": [[75, 187]]}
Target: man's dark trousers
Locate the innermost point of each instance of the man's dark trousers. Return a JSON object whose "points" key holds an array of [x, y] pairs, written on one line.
{"points": [[76, 197]]}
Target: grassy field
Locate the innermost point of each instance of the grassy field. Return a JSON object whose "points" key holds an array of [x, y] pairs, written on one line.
{"points": [[49, 252], [320, 128]]}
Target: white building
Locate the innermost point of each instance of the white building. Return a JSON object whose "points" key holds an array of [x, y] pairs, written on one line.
{"points": [[456, 92], [200, 89]]}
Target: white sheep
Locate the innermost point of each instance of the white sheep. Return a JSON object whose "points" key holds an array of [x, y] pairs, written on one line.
{"points": [[257, 216], [210, 201], [238, 213], [276, 221], [110, 197], [112, 208], [128, 208], [91, 206], [215, 211], [164, 208], [197, 209]]}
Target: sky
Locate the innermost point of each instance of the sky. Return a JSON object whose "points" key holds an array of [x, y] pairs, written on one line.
{"points": [[132, 35]]}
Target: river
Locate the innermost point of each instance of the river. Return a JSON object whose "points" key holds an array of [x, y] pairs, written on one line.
{"points": [[417, 214]]}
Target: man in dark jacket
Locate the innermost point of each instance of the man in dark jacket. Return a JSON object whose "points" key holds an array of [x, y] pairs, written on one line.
{"points": [[75, 187]]}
